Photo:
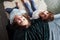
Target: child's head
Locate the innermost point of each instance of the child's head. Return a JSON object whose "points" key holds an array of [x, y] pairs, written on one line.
{"points": [[46, 15], [19, 17], [50, 16]]}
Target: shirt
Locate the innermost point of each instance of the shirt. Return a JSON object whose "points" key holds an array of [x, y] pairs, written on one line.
{"points": [[54, 27], [39, 30]]}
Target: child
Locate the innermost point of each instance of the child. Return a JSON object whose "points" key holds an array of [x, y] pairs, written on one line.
{"points": [[34, 12], [20, 17]]}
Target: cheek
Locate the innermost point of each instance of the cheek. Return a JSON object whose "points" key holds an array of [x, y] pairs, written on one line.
{"points": [[44, 17], [19, 21], [25, 21]]}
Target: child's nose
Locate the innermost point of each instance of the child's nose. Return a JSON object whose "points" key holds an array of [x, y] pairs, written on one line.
{"points": [[20, 21]]}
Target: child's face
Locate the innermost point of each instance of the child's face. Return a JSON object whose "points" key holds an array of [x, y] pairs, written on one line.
{"points": [[46, 16], [43, 16], [21, 20]]}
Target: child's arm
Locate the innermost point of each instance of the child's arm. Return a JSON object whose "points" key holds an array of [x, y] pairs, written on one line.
{"points": [[28, 6], [17, 7], [33, 5], [57, 16], [10, 9], [36, 13]]}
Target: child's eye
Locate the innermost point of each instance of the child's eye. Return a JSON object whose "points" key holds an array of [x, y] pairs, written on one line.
{"points": [[23, 19]]}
